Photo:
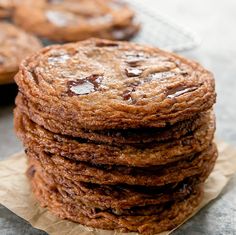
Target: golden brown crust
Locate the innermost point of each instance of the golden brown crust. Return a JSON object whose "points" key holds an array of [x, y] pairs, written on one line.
{"points": [[155, 153], [118, 197], [116, 174], [72, 20], [117, 137]]}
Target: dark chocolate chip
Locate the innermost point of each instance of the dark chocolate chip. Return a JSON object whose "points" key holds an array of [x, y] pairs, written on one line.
{"points": [[161, 75], [127, 94], [133, 72], [84, 86], [178, 91], [106, 44], [34, 76], [134, 62]]}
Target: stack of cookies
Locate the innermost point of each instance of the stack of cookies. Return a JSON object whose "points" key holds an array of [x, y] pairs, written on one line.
{"points": [[117, 135]]}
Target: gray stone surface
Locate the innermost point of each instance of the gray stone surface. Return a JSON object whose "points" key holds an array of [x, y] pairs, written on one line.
{"points": [[215, 22]]}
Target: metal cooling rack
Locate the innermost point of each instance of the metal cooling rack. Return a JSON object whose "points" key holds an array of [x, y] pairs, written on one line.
{"points": [[161, 31]]}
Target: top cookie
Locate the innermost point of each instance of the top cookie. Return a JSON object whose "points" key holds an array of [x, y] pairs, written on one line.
{"points": [[72, 20], [15, 44], [99, 84]]}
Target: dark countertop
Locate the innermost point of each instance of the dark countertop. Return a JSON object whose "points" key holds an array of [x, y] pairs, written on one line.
{"points": [[215, 22]]}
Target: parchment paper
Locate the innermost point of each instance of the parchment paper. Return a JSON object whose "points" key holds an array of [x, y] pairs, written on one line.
{"points": [[16, 196]]}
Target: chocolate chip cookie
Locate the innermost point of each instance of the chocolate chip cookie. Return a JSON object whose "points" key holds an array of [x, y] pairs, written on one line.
{"points": [[72, 20], [98, 84], [7, 7], [15, 45]]}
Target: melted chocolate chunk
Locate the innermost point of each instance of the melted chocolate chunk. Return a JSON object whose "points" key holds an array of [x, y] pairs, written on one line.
{"points": [[134, 62], [131, 88], [106, 44], [127, 94], [161, 75], [135, 83], [136, 55], [60, 58], [84, 86], [184, 73], [34, 76], [178, 91], [135, 59], [133, 72]]}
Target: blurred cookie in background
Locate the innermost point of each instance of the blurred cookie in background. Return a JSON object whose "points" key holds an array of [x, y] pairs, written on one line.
{"points": [[71, 20], [15, 45], [7, 7]]}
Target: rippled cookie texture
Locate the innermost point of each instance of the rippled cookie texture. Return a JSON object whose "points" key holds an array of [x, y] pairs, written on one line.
{"points": [[86, 85], [72, 20], [145, 220], [117, 135], [15, 46], [157, 152]]}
